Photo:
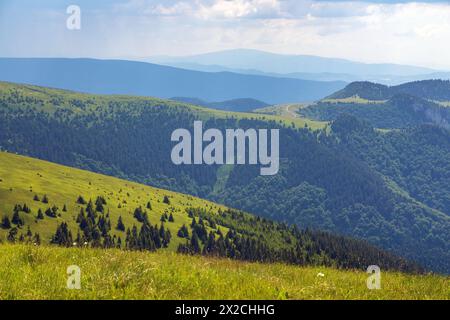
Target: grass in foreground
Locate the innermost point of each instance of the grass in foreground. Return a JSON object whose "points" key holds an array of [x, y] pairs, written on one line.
{"points": [[28, 272]]}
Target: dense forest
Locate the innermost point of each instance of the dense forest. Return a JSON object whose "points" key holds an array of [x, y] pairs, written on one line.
{"points": [[438, 90], [325, 182], [400, 111]]}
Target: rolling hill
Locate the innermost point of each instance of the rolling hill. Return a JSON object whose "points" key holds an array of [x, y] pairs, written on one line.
{"points": [[409, 104], [436, 90], [238, 105], [322, 184], [121, 212], [145, 79]]}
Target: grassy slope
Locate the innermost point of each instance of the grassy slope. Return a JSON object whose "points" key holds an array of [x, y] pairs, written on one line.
{"points": [[47, 94], [23, 177], [28, 272]]}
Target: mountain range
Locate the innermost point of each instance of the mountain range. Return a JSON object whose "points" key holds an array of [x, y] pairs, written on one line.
{"points": [[304, 67], [387, 187], [146, 79], [405, 105]]}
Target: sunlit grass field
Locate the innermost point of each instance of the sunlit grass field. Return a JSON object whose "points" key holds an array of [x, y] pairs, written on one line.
{"points": [[40, 272], [48, 96], [22, 177], [355, 99], [29, 272]]}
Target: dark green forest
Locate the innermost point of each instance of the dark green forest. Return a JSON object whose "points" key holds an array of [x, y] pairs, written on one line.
{"points": [[400, 111], [438, 90]]}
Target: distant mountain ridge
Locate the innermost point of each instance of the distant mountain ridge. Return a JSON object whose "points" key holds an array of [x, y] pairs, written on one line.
{"points": [[438, 90], [305, 67], [239, 105], [145, 79], [283, 63], [409, 104]]}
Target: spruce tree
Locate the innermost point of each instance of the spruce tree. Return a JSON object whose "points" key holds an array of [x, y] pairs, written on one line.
{"points": [[29, 233], [16, 219], [99, 204], [25, 208], [195, 245], [12, 235], [81, 200], [40, 215], [166, 200], [37, 239], [6, 224], [62, 236], [120, 226], [183, 232]]}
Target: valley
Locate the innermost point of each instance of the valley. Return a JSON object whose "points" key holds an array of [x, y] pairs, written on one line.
{"points": [[344, 177]]}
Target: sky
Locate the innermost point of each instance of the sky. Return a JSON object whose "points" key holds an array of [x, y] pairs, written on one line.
{"points": [[404, 32]]}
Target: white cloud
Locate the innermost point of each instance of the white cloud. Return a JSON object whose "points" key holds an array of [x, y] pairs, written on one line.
{"points": [[413, 33], [232, 9]]}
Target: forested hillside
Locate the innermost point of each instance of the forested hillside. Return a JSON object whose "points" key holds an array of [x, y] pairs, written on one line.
{"points": [[322, 183], [239, 105], [401, 106], [45, 203], [427, 89], [147, 79]]}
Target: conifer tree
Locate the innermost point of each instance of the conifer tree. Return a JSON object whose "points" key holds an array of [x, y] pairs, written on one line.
{"points": [[99, 204], [62, 236], [81, 200], [166, 200], [29, 233], [37, 239], [50, 213], [195, 245], [6, 224], [16, 219], [25, 208], [183, 232], [12, 235], [120, 225], [40, 215]]}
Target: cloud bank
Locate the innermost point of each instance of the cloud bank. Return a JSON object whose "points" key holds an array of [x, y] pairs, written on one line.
{"points": [[369, 31]]}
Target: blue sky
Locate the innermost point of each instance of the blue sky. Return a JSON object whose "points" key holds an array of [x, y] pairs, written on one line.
{"points": [[370, 31]]}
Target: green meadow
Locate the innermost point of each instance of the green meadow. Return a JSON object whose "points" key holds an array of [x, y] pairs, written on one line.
{"points": [[21, 178], [29, 272]]}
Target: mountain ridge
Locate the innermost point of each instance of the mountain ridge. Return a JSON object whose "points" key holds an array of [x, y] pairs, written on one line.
{"points": [[145, 79]]}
